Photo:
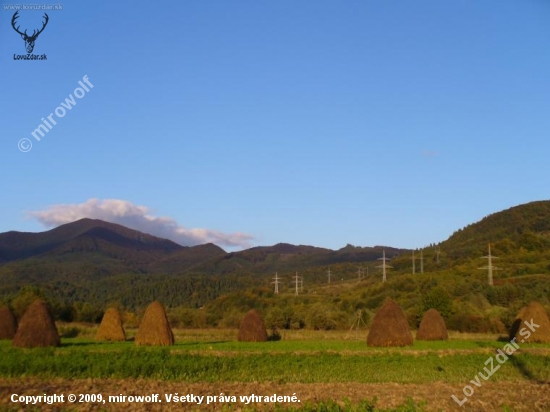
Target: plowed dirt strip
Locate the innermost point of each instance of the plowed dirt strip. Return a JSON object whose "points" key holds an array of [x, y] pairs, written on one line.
{"points": [[522, 396]]}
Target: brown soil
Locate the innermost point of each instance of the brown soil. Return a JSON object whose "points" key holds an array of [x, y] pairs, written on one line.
{"points": [[520, 396]]}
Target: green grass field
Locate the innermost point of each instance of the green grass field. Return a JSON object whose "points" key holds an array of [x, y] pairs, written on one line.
{"points": [[283, 362], [209, 357]]}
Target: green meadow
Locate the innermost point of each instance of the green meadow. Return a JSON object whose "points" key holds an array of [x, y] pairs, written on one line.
{"points": [[305, 361]]}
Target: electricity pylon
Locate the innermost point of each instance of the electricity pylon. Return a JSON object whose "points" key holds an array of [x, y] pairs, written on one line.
{"points": [[384, 266], [297, 281], [490, 266], [276, 282]]}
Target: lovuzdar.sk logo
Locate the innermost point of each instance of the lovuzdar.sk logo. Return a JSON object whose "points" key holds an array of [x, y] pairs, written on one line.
{"points": [[29, 40]]}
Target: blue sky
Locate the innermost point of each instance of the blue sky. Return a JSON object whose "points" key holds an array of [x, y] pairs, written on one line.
{"points": [[322, 123]]}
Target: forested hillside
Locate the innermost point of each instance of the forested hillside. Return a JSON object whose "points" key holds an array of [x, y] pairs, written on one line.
{"points": [[83, 267]]}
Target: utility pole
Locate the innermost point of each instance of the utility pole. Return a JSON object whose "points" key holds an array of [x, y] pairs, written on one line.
{"points": [[359, 273], [414, 264], [296, 283], [276, 282], [328, 275], [490, 266], [421, 261], [437, 252], [384, 266]]}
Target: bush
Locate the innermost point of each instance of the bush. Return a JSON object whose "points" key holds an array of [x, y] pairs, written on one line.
{"points": [[87, 313], [274, 336], [322, 317], [69, 331], [187, 318], [276, 319], [439, 299], [298, 317], [464, 322], [231, 320]]}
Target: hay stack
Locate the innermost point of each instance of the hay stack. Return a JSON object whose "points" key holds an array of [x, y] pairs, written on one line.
{"points": [[536, 312], [154, 328], [111, 328], [389, 327], [8, 324], [252, 328], [37, 328], [432, 327]]}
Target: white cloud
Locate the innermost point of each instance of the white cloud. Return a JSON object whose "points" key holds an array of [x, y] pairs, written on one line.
{"points": [[139, 218]]}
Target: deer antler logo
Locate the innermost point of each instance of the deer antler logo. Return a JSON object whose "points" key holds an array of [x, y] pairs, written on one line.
{"points": [[29, 40]]}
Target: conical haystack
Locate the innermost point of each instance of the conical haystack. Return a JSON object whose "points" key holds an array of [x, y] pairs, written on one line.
{"points": [[389, 327], [37, 328], [525, 327], [252, 328], [154, 328], [8, 323], [111, 328], [432, 327]]}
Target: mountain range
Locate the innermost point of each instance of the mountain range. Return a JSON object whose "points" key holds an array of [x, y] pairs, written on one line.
{"points": [[93, 260], [97, 247], [112, 248]]}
